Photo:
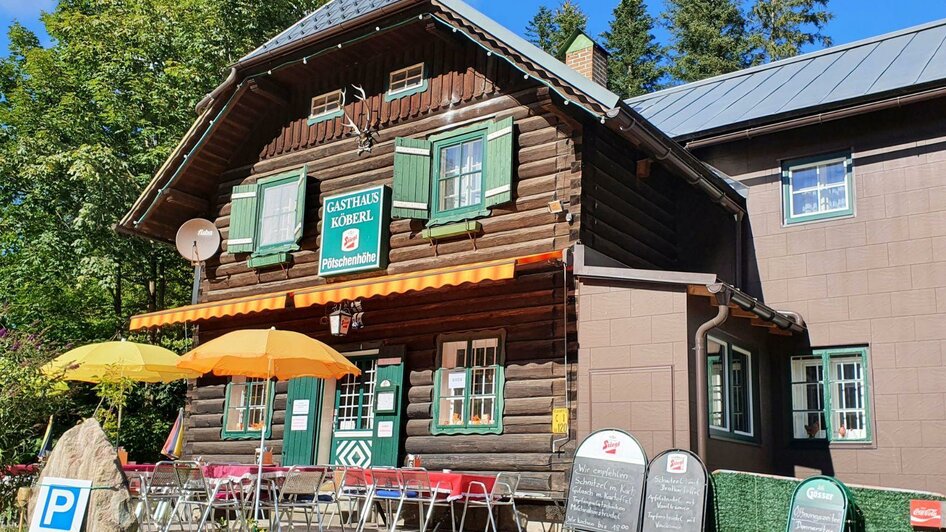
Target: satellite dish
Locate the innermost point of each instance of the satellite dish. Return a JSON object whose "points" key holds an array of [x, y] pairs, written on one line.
{"points": [[197, 240]]}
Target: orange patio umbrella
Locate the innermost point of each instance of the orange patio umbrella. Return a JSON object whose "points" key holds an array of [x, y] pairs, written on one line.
{"points": [[264, 354]]}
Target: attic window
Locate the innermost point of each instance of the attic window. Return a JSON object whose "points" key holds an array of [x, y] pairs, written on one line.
{"points": [[407, 81], [328, 105]]}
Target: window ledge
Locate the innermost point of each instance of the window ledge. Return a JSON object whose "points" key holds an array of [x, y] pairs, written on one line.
{"points": [[443, 232], [268, 260], [313, 120], [825, 444], [448, 431], [735, 438], [391, 96]]}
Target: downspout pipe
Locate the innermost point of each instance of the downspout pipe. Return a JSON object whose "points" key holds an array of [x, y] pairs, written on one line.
{"points": [[699, 347]]}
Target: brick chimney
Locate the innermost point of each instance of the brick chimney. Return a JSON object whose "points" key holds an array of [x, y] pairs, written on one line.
{"points": [[587, 57]]}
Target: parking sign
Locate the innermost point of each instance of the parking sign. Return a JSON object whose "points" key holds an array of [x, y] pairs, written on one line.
{"points": [[60, 506]]}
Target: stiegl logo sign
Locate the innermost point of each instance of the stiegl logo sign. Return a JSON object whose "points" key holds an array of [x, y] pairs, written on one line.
{"points": [[355, 232]]}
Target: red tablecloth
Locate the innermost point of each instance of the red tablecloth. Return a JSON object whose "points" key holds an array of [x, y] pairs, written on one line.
{"points": [[459, 483]]}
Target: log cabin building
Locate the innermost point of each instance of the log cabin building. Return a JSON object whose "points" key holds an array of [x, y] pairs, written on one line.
{"points": [[509, 238]]}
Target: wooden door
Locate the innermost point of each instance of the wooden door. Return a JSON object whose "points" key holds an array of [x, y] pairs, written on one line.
{"points": [[301, 429], [356, 438]]}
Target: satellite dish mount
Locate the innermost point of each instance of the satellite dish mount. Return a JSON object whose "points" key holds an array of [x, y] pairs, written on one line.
{"points": [[197, 240]]}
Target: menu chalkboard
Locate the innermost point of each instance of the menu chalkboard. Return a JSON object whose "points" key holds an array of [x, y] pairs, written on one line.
{"points": [[675, 494], [819, 504], [607, 483]]}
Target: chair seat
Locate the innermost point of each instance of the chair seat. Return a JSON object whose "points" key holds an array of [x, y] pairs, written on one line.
{"points": [[396, 494], [326, 498]]}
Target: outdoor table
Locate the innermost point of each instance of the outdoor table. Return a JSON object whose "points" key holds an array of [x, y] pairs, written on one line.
{"points": [[458, 484]]}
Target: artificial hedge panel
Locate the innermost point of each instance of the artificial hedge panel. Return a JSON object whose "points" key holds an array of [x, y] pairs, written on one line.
{"points": [[748, 502]]}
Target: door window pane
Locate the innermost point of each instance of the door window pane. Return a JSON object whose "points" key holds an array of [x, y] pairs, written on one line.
{"points": [[355, 404]]}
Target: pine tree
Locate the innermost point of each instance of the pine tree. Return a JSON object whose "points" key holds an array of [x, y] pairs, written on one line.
{"points": [[634, 64], [708, 38], [550, 29], [781, 27]]}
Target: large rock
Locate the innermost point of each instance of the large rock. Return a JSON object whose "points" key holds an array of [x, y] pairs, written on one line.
{"points": [[84, 453]]}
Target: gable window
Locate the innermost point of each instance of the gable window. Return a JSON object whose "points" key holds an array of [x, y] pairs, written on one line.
{"points": [[829, 396], [247, 410], [817, 188], [730, 401], [327, 106], [406, 81], [266, 218], [468, 384], [454, 176]]}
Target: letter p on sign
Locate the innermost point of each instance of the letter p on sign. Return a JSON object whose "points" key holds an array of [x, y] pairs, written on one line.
{"points": [[60, 506]]}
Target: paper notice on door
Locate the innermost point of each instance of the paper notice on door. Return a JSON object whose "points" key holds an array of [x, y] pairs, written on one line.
{"points": [[385, 429], [300, 407], [385, 402], [457, 380], [299, 423]]}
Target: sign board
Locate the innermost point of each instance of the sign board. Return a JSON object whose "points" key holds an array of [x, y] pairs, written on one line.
{"points": [[560, 421], [456, 380], [385, 429], [299, 423], [819, 504], [300, 407], [61, 505], [926, 514], [607, 483], [675, 492], [355, 232]]}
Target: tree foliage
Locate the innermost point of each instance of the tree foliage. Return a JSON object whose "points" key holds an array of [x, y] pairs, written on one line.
{"points": [[634, 64], [550, 29], [84, 123], [780, 28], [707, 38]]}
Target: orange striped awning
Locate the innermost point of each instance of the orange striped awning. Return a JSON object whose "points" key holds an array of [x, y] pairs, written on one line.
{"points": [[214, 309], [495, 270]]}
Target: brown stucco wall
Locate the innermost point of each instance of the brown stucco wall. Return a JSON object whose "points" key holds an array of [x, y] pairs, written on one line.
{"points": [[632, 362], [877, 278]]}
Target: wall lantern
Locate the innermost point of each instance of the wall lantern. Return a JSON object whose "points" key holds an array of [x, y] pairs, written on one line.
{"points": [[345, 317]]}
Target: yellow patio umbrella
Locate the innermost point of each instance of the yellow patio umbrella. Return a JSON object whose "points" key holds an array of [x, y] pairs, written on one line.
{"points": [[264, 354], [118, 360]]}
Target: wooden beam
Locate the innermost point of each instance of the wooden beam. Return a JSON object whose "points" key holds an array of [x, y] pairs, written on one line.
{"points": [[186, 200], [269, 89], [699, 290]]}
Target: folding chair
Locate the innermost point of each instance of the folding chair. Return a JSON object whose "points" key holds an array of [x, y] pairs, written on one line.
{"points": [[356, 487], [388, 488], [417, 479], [299, 491], [330, 493], [196, 494], [159, 495], [502, 494]]}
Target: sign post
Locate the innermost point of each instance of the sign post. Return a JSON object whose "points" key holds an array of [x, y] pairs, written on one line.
{"points": [[355, 232], [607, 483], [61, 505], [819, 503], [675, 493]]}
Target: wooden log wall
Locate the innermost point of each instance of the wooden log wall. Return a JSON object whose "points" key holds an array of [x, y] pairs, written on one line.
{"points": [[629, 218], [530, 308], [548, 147]]}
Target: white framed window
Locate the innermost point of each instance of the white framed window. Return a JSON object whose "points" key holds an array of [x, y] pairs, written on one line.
{"points": [[330, 103], [829, 396], [729, 389], [356, 397], [469, 384], [280, 200], [817, 188], [246, 407], [406, 79]]}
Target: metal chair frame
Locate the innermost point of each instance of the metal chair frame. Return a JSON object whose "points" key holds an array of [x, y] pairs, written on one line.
{"points": [[195, 493], [159, 494], [418, 479], [502, 494]]}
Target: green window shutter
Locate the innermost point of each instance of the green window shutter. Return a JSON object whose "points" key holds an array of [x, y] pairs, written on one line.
{"points": [[242, 219], [299, 446], [499, 160], [300, 203], [411, 190]]}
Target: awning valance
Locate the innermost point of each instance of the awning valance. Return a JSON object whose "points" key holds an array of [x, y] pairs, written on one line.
{"points": [[213, 309], [495, 270]]}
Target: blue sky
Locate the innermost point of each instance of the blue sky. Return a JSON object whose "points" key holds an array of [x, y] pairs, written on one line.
{"points": [[854, 19]]}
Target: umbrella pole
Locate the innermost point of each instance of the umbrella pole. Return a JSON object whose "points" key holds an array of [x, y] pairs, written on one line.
{"points": [[262, 442]]}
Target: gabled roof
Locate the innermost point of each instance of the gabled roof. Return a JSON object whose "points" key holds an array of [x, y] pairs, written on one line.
{"points": [[330, 15], [905, 61]]}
